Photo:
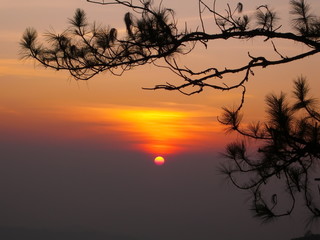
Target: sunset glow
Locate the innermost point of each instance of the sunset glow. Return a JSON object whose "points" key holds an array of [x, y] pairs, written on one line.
{"points": [[152, 131], [108, 159]]}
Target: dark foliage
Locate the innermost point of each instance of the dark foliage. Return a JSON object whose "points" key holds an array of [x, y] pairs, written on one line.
{"points": [[287, 157], [290, 140], [152, 35]]}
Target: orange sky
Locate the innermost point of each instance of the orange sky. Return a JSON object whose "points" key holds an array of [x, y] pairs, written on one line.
{"points": [[79, 155], [35, 102]]}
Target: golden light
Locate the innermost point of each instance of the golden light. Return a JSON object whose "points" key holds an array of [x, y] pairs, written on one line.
{"points": [[159, 160], [153, 130]]}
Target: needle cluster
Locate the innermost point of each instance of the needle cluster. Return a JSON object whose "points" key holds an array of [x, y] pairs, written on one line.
{"points": [[152, 36], [288, 155]]}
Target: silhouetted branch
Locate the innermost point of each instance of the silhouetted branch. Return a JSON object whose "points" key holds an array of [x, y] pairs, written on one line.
{"points": [[86, 50], [289, 151]]}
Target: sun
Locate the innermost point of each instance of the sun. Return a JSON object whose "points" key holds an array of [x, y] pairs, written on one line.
{"points": [[159, 161]]}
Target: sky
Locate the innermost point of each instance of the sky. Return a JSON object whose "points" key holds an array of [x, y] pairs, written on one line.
{"points": [[77, 157]]}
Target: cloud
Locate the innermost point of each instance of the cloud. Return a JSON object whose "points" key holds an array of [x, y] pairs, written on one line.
{"points": [[18, 68], [154, 129]]}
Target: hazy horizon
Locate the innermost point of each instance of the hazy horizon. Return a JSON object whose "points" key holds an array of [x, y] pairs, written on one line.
{"points": [[77, 157]]}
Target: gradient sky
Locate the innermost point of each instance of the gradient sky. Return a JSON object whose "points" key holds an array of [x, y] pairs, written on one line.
{"points": [[77, 157]]}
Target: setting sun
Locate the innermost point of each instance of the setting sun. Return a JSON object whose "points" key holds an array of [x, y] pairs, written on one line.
{"points": [[121, 119], [159, 160]]}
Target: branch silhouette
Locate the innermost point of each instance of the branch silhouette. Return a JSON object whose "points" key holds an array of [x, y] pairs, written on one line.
{"points": [[152, 34], [288, 154], [290, 145]]}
